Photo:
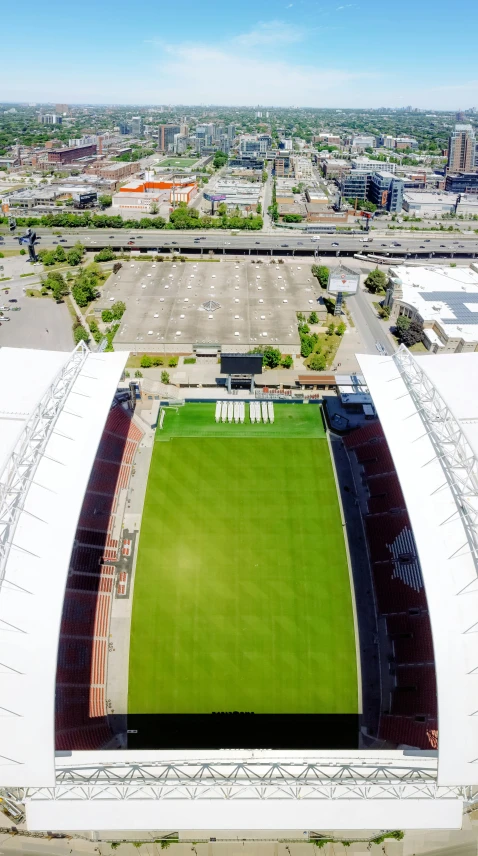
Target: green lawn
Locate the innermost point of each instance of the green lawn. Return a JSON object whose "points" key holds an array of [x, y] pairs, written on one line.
{"points": [[242, 596], [185, 162]]}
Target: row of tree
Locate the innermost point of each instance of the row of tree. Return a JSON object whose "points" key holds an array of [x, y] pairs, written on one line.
{"points": [[272, 357], [182, 218]]}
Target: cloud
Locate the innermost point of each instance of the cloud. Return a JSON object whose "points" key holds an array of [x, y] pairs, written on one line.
{"points": [[202, 74], [270, 33]]}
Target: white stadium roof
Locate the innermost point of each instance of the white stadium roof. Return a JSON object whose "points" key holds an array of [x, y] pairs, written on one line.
{"points": [[51, 420], [53, 410], [428, 408]]}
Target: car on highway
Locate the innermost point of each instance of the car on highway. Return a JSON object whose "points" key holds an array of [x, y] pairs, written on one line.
{"points": [[284, 245], [462, 246], [300, 243], [422, 247], [130, 243], [174, 242], [395, 244], [13, 300], [110, 236], [427, 240], [334, 244], [443, 246], [63, 241], [54, 242]]}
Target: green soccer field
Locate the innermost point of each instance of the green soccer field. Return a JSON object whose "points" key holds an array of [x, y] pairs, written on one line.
{"points": [[242, 595], [185, 162]]}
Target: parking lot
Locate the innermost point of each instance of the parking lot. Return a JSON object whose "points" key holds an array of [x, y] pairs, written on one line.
{"points": [[40, 323], [235, 304]]}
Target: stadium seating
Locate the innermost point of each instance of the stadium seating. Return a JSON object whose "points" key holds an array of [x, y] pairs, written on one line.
{"points": [[412, 638], [415, 692], [385, 494], [81, 721], [372, 432], [399, 594], [408, 731]]}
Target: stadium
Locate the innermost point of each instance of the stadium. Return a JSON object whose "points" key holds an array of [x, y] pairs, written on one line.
{"points": [[232, 617]]}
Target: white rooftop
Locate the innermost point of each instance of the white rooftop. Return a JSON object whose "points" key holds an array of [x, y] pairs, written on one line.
{"points": [[446, 295], [424, 440], [54, 408]]}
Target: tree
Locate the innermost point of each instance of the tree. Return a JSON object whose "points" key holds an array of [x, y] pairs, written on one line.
{"points": [[154, 208], [47, 257], [413, 334], [164, 377], [74, 257], [222, 209], [105, 201], [105, 255], [401, 325], [146, 362], [376, 281], [306, 344], [259, 208], [117, 267], [322, 274], [118, 309], [330, 329], [59, 290], [340, 329], [172, 362], [287, 361], [107, 316], [313, 318], [271, 357], [138, 373], [220, 158], [79, 333], [84, 289], [317, 363], [60, 255]]}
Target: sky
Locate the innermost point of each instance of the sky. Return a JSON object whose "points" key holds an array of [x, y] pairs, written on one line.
{"points": [[303, 53]]}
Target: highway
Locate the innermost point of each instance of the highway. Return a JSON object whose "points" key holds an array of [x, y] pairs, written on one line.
{"points": [[257, 243]]}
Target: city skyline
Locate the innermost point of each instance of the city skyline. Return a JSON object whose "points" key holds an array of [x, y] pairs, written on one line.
{"points": [[297, 54]]}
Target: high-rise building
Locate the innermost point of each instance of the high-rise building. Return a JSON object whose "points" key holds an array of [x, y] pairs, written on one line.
{"points": [[166, 135], [386, 191], [124, 128], [231, 132], [50, 119], [137, 126], [462, 149]]}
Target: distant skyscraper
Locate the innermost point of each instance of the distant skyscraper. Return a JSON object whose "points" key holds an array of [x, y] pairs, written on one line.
{"points": [[462, 149], [231, 132], [166, 134], [137, 126]]}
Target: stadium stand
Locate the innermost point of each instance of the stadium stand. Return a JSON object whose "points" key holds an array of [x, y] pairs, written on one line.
{"points": [[81, 712], [409, 705]]}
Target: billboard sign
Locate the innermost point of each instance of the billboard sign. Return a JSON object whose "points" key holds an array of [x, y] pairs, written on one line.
{"points": [[241, 364], [215, 197], [343, 281]]}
